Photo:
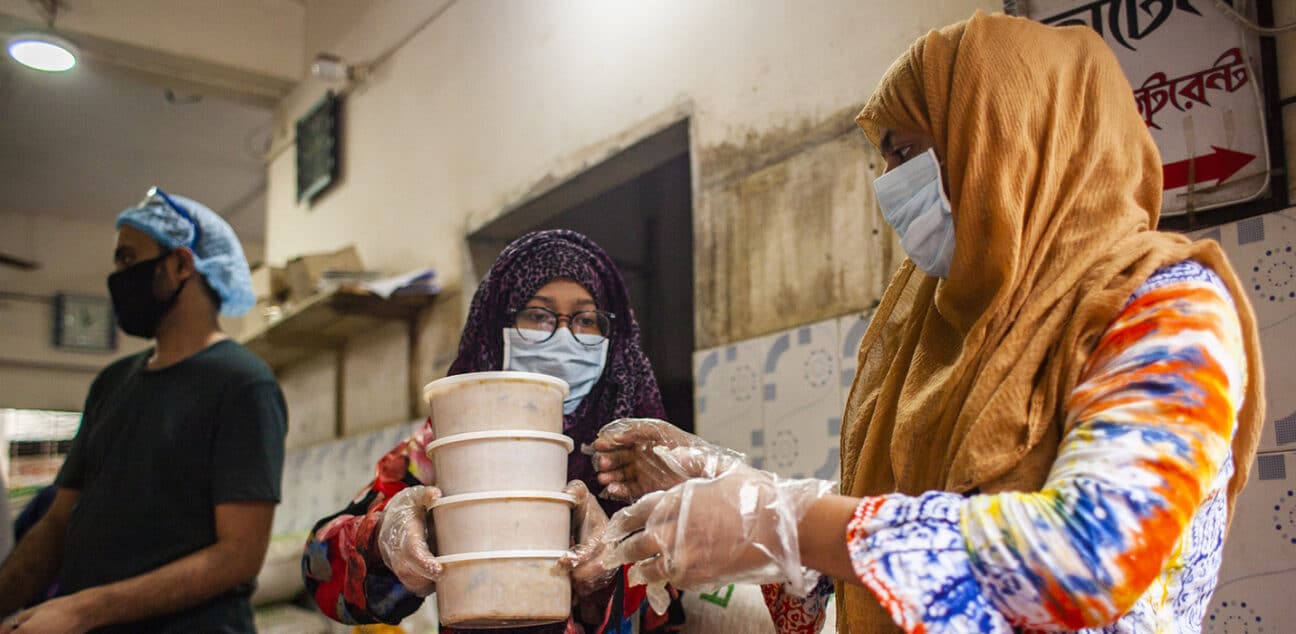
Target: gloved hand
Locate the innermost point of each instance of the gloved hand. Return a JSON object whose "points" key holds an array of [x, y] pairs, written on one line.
{"points": [[589, 575], [633, 456], [403, 534], [740, 527]]}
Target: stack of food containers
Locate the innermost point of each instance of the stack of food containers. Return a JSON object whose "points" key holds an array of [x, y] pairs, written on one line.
{"points": [[502, 523]]}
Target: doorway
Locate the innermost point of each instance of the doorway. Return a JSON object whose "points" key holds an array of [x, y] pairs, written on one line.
{"points": [[638, 206]]}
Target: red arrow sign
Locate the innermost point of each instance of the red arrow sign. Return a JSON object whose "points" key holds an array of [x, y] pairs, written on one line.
{"points": [[1219, 165]]}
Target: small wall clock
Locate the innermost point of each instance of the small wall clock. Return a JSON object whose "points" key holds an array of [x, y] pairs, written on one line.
{"points": [[84, 323]]}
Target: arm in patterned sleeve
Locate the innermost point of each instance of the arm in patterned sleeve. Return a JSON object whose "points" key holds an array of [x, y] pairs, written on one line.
{"points": [[1129, 524], [341, 565]]}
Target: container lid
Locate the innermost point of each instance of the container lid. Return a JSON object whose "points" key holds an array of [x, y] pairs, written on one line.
{"points": [[502, 554], [433, 389], [481, 496], [506, 434]]}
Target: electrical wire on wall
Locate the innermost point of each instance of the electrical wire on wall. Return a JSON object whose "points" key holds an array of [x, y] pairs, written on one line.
{"points": [[331, 67], [1239, 15]]}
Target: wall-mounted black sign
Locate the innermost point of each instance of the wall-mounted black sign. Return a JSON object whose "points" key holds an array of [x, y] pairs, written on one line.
{"points": [[318, 148]]}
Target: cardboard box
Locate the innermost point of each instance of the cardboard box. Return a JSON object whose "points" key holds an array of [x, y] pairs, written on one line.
{"points": [[265, 312], [304, 271], [269, 282], [262, 285]]}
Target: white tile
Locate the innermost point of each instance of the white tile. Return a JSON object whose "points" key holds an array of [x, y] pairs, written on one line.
{"points": [[801, 399], [329, 478], [1280, 386], [289, 515], [321, 480], [1254, 605], [1262, 539], [728, 392], [1263, 252], [850, 331], [1259, 569]]}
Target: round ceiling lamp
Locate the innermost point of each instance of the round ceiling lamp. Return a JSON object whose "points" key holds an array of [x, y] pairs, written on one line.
{"points": [[43, 51]]}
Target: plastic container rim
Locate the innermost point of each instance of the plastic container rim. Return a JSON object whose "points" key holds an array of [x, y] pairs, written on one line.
{"points": [[501, 554], [519, 434], [432, 389], [486, 496]]}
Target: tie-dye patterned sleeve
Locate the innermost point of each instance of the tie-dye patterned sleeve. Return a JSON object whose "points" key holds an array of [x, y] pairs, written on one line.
{"points": [[1127, 531], [341, 566]]}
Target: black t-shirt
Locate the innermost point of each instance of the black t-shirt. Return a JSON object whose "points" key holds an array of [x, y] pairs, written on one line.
{"points": [[156, 452]]}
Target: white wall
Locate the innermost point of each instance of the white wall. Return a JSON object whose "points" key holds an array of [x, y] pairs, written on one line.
{"points": [[495, 98], [75, 257], [495, 102]]}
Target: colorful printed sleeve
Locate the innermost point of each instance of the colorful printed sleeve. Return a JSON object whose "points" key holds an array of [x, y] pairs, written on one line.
{"points": [[341, 565], [1127, 531]]}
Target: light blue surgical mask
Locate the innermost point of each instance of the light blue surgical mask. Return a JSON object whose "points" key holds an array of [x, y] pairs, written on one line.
{"points": [[562, 357], [914, 203]]}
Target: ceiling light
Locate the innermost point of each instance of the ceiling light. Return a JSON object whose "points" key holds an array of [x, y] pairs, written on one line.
{"points": [[42, 51]]}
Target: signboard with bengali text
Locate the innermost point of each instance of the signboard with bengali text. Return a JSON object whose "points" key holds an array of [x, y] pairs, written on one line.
{"points": [[1194, 73]]}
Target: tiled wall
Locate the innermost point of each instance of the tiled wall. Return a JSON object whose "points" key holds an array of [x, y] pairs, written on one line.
{"points": [[773, 399], [1257, 578], [321, 480], [779, 398], [1263, 250], [1259, 570]]}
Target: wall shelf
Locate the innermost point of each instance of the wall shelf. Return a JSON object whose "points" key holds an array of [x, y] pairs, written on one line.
{"points": [[327, 321]]}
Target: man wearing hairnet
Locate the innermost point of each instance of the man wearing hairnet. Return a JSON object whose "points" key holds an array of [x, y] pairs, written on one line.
{"points": [[164, 505]]}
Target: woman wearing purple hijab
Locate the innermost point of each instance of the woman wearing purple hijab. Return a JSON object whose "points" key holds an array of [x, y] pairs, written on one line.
{"points": [[553, 303]]}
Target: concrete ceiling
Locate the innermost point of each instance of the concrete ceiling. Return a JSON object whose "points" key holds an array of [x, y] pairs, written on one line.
{"points": [[89, 142], [86, 145]]}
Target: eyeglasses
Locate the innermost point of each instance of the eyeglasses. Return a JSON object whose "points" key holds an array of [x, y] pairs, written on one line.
{"points": [[536, 324], [155, 195]]}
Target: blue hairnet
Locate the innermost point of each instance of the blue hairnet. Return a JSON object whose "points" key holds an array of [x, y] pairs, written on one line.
{"points": [[218, 256]]}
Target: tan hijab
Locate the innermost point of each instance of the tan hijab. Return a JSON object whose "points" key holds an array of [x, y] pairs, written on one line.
{"points": [[1056, 187]]}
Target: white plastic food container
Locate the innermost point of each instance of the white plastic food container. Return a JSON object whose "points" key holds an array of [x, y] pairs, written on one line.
{"points": [[502, 520], [503, 589], [492, 401], [500, 461]]}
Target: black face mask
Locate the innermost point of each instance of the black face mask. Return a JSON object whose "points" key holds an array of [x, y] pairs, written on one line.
{"points": [[138, 309]]}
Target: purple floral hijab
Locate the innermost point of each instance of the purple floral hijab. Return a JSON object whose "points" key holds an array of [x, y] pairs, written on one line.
{"points": [[627, 387]]}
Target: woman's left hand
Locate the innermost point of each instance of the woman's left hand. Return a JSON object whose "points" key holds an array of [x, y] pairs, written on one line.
{"points": [[740, 527], [589, 575], [635, 456]]}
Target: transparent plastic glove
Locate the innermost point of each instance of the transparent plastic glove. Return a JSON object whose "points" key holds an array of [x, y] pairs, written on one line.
{"points": [[589, 575], [403, 536], [740, 527], [634, 456]]}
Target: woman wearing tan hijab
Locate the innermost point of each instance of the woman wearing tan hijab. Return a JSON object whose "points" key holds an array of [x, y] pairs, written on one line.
{"points": [[1056, 405]]}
